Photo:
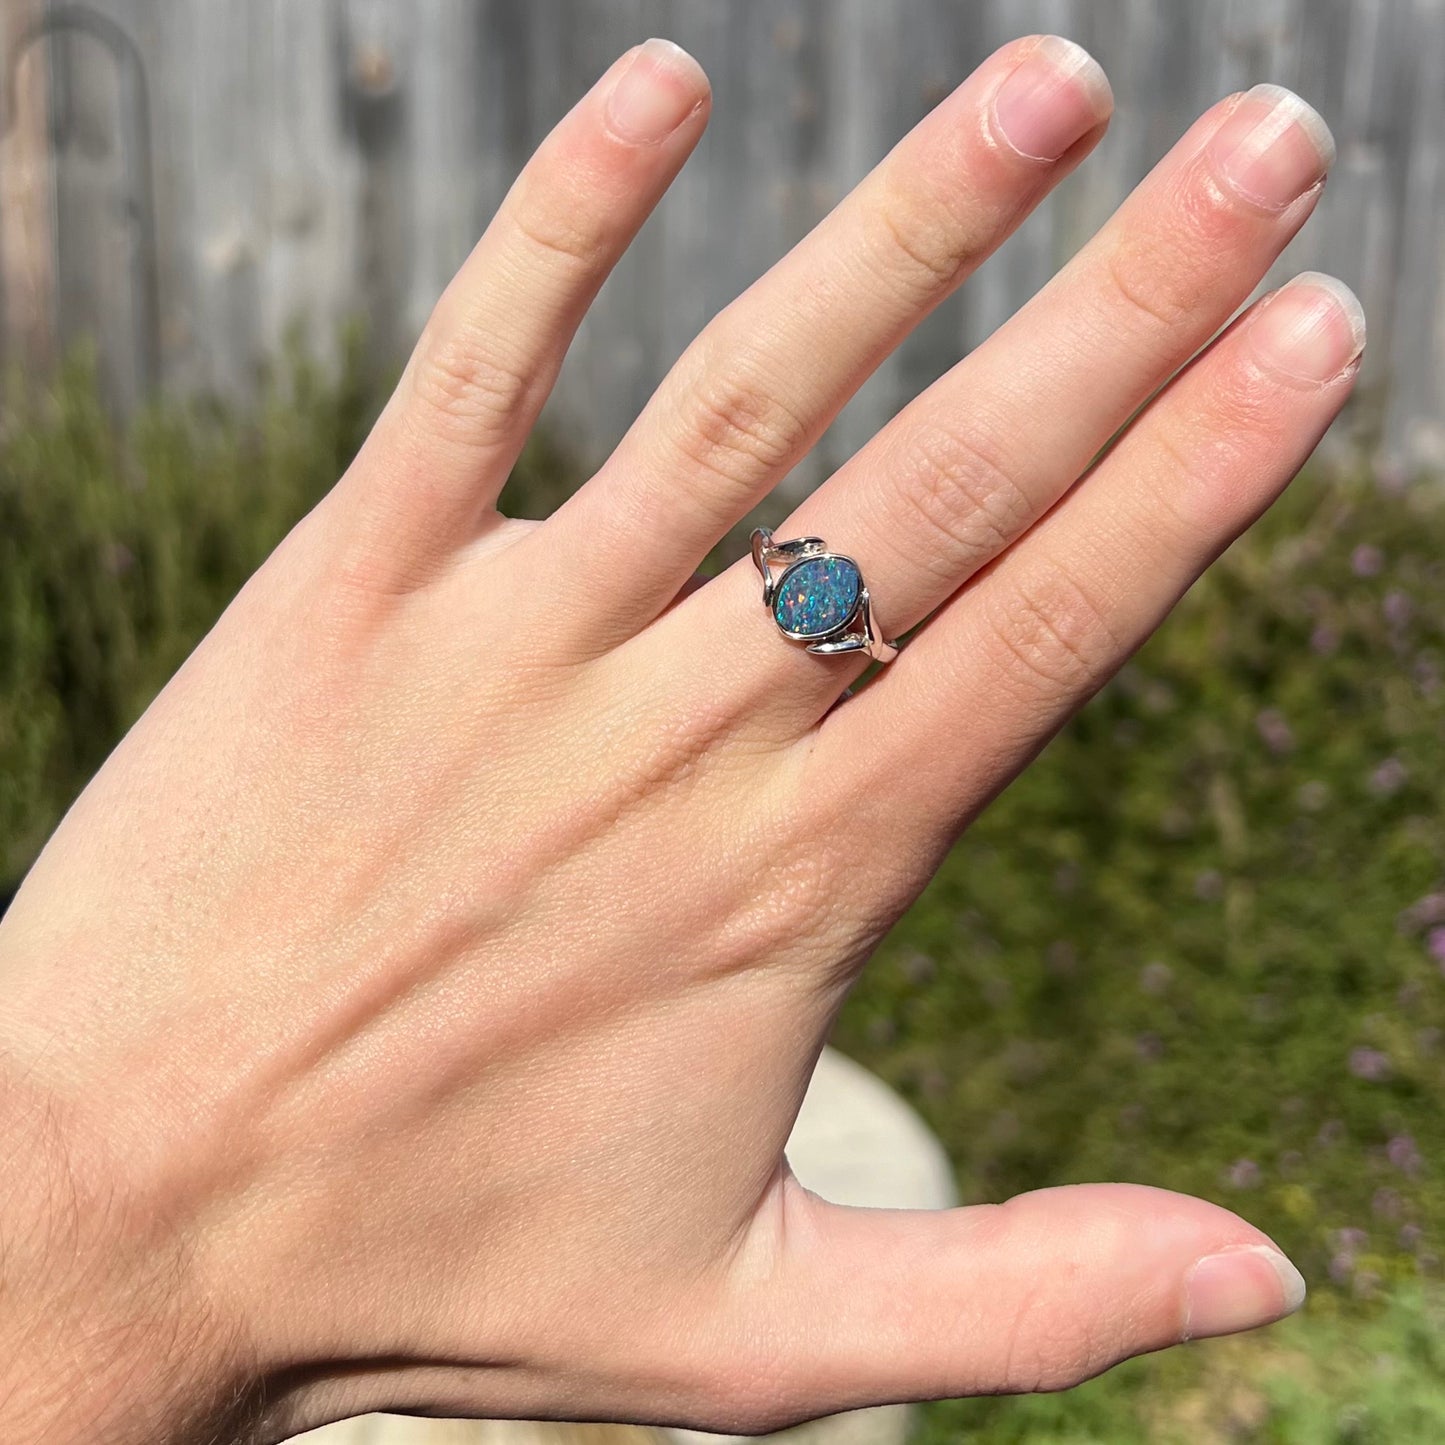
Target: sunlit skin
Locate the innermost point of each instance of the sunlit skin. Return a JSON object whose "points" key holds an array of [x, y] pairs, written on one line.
{"points": [[412, 1012]]}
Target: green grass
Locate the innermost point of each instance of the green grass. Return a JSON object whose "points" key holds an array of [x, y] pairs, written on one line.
{"points": [[1193, 946]]}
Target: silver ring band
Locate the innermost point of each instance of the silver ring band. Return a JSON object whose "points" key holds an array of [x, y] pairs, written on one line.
{"points": [[818, 597]]}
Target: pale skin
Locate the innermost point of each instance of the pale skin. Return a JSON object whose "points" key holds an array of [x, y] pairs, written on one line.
{"points": [[412, 1013]]}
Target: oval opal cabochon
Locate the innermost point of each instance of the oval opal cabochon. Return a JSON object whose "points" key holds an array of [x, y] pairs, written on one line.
{"points": [[816, 596]]}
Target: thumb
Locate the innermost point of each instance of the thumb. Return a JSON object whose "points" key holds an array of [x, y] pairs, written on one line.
{"points": [[871, 1306]]}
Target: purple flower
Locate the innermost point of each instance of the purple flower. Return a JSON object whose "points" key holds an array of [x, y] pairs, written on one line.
{"points": [[1389, 777], [1209, 885], [1367, 1283], [1423, 913], [1387, 1204], [1370, 1065], [1435, 944], [1392, 478], [1351, 1240], [1403, 1154], [1149, 1047], [1155, 978], [1332, 1131], [1367, 561], [882, 1031], [1324, 640], [1242, 1174], [1342, 1268], [1398, 608], [1274, 731], [1158, 697], [918, 968], [1410, 1237]]}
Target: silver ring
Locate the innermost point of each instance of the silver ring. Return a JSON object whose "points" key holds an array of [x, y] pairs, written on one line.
{"points": [[818, 597]]}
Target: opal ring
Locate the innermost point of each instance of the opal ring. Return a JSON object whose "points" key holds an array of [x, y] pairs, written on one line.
{"points": [[818, 597]]}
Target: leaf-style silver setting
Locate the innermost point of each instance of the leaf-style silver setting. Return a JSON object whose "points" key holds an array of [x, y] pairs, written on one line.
{"points": [[858, 632], [768, 554]]}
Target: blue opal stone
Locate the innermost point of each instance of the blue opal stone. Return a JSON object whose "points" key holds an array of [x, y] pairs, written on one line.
{"points": [[816, 596]]}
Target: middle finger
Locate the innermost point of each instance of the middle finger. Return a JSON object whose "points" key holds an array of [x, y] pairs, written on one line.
{"points": [[755, 390], [977, 459]]}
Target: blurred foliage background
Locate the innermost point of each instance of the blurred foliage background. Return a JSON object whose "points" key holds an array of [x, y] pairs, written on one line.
{"points": [[1200, 944]]}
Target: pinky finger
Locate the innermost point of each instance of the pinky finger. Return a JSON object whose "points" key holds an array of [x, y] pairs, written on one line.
{"points": [[998, 671]]}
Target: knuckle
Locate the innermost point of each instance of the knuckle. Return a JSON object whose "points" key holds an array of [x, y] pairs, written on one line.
{"points": [[1202, 238], [1150, 294], [960, 485], [568, 236], [468, 389], [732, 426], [1053, 636], [1202, 483], [1044, 1340], [919, 246], [1174, 483], [913, 253]]}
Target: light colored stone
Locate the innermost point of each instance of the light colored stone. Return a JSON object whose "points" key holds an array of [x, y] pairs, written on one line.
{"points": [[855, 1142], [408, 1430]]}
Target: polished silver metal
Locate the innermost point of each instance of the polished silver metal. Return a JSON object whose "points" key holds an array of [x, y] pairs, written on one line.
{"points": [[857, 632]]}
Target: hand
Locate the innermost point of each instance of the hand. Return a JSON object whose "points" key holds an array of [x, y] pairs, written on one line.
{"points": [[412, 1012]]}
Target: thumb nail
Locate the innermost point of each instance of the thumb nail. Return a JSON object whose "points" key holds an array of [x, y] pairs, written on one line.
{"points": [[1240, 1289]]}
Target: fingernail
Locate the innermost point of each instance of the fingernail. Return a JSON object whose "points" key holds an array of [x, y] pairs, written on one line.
{"points": [[1055, 95], [658, 89], [1239, 1290], [1273, 147], [1313, 328]]}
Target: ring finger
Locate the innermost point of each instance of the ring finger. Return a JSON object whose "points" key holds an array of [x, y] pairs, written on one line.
{"points": [[976, 460]]}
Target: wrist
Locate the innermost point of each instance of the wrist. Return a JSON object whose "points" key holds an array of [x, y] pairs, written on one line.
{"points": [[102, 1336]]}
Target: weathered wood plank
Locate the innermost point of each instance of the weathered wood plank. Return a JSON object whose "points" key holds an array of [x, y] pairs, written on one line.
{"points": [[314, 160], [27, 194]]}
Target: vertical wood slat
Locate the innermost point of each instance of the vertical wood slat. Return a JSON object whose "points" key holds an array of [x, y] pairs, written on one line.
{"points": [[1415, 407], [312, 162], [27, 195]]}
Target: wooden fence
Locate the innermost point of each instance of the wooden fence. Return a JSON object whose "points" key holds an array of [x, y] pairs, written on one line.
{"points": [[184, 180]]}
